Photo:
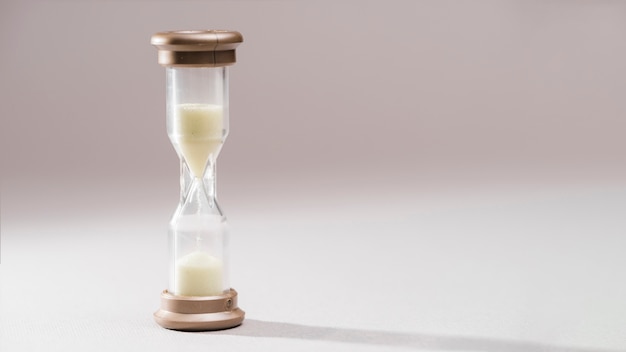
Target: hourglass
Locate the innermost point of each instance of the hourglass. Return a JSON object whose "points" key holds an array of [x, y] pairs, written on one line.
{"points": [[199, 296]]}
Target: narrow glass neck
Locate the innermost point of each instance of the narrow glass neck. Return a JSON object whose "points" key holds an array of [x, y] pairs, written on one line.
{"points": [[205, 185]]}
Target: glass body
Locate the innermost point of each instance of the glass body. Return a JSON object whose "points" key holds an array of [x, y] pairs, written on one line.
{"points": [[197, 125]]}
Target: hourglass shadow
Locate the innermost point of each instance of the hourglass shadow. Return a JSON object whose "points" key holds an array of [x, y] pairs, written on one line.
{"points": [[258, 328]]}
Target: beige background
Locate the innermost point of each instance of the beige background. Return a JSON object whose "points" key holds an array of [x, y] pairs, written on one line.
{"points": [[329, 94]]}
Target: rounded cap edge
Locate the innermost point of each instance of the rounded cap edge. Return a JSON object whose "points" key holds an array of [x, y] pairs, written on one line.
{"points": [[197, 48]]}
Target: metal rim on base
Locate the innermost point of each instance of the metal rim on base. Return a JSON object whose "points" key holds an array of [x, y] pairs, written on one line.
{"points": [[189, 313]]}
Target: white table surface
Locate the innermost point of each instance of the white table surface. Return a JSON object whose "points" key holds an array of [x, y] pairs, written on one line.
{"points": [[517, 270]]}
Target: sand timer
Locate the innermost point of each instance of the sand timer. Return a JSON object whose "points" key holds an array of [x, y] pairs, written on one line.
{"points": [[199, 296]]}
